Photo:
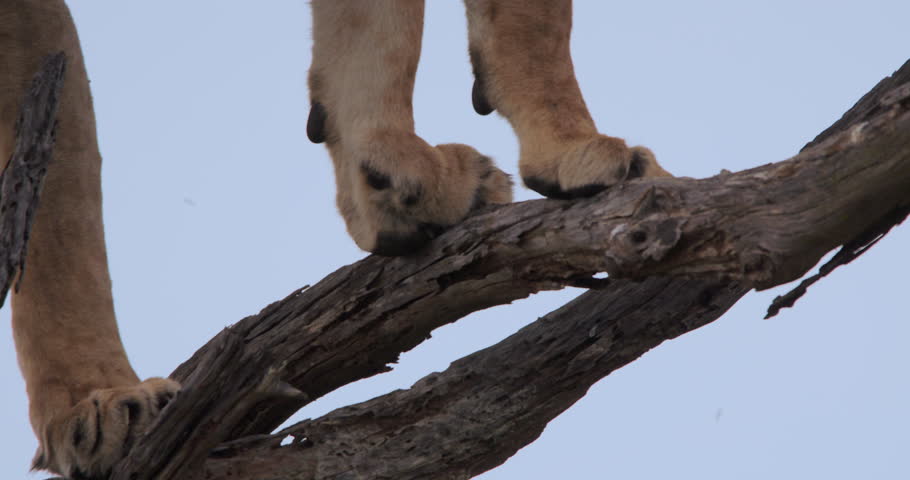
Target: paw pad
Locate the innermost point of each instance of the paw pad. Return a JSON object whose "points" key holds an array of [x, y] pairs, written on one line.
{"points": [[396, 244], [553, 190]]}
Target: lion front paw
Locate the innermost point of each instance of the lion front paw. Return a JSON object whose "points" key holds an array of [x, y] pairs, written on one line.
{"points": [[86, 441], [402, 192], [586, 167]]}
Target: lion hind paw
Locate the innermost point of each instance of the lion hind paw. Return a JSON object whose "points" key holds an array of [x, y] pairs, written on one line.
{"points": [[585, 168]]}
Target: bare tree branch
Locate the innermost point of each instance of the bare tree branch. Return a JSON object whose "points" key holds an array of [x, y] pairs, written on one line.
{"points": [[849, 252], [23, 176], [484, 407], [757, 228]]}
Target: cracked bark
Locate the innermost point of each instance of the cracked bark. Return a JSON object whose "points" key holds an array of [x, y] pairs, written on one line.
{"points": [[699, 245], [23, 175]]}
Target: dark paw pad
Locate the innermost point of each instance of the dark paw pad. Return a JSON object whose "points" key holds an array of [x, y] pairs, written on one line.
{"points": [[395, 244], [553, 190]]}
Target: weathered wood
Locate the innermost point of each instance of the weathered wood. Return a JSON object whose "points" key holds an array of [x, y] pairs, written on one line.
{"points": [[484, 407], [883, 95], [238, 390], [890, 90], [755, 228], [23, 176], [849, 252]]}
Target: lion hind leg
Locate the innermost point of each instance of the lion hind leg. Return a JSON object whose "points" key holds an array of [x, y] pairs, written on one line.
{"points": [[523, 68]]}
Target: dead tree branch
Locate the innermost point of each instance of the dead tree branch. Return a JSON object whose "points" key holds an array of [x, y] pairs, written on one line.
{"points": [[475, 415], [23, 176], [717, 238]]}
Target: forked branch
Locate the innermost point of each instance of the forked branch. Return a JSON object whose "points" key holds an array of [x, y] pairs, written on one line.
{"points": [[700, 245]]}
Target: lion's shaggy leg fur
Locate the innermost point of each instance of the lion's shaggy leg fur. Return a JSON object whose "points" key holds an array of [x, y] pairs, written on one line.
{"points": [[85, 402], [394, 190], [523, 69]]}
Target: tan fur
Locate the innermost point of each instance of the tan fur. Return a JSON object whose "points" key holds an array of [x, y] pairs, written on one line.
{"points": [[66, 336], [395, 191], [520, 53], [365, 57]]}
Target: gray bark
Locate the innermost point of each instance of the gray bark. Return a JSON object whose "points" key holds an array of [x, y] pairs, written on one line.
{"points": [[23, 176], [699, 245]]}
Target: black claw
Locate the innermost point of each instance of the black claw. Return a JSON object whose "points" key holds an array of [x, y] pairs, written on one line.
{"points": [[479, 99], [552, 190], [375, 178], [315, 124]]}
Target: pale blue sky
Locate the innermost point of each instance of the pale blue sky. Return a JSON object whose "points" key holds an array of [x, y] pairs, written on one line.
{"points": [[216, 205]]}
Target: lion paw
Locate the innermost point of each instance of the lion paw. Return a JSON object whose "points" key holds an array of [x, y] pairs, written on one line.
{"points": [[587, 167], [86, 441], [402, 192]]}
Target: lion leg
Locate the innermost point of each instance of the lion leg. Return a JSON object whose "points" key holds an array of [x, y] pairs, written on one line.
{"points": [[86, 404], [394, 190], [523, 68]]}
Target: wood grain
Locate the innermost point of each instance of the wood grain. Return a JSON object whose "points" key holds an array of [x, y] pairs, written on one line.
{"points": [[698, 246], [23, 175]]}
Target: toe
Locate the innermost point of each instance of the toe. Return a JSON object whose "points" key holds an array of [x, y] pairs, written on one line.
{"points": [[495, 186], [644, 164]]}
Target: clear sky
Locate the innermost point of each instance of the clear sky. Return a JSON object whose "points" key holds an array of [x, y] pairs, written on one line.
{"points": [[216, 205]]}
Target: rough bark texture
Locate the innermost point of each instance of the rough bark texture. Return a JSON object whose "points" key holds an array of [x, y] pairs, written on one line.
{"points": [[484, 407], [23, 176], [716, 237]]}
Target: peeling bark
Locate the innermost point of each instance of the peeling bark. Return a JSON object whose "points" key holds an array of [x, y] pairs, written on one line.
{"points": [[484, 407], [699, 244], [23, 175]]}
